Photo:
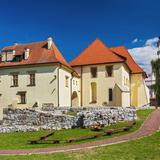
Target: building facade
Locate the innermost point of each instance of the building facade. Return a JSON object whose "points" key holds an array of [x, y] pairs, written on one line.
{"points": [[150, 81], [37, 73], [110, 77]]}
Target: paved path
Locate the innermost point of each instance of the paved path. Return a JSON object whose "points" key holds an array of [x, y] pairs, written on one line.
{"points": [[150, 125]]}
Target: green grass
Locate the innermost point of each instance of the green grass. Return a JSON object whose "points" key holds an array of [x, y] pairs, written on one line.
{"points": [[19, 140], [147, 148]]}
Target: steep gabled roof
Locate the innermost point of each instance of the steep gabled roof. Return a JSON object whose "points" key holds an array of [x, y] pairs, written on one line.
{"points": [[96, 53], [122, 51], [38, 54]]}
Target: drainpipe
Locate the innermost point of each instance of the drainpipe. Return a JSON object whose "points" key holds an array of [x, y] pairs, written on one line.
{"points": [[81, 84], [130, 87], [71, 87], [58, 84]]}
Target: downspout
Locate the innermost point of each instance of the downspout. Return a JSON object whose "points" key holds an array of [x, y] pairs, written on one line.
{"points": [[81, 85], [58, 84], [130, 89], [71, 87]]}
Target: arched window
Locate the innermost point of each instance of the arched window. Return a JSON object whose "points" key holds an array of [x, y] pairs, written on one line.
{"points": [[93, 92]]}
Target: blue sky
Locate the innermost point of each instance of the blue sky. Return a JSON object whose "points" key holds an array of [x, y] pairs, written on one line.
{"points": [[74, 24]]}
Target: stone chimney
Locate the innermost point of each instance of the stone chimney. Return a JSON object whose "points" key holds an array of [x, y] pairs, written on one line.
{"points": [[26, 53], [50, 42]]}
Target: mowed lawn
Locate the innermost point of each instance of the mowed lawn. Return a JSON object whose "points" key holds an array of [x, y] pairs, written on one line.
{"points": [[19, 140], [147, 148]]}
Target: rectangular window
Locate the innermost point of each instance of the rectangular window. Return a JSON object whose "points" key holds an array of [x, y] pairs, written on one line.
{"points": [[15, 80], [110, 94], [32, 79], [109, 71], [93, 72], [66, 81], [22, 97]]}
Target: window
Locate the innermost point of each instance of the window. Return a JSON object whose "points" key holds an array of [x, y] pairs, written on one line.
{"points": [[94, 72], [15, 80], [109, 71], [17, 58], [110, 94], [93, 92], [66, 81], [32, 79], [22, 97]]}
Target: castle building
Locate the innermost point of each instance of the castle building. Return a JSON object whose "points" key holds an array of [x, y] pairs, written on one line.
{"points": [[37, 73], [110, 77]]}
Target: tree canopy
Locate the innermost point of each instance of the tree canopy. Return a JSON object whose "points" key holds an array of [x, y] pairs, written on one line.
{"points": [[156, 70]]}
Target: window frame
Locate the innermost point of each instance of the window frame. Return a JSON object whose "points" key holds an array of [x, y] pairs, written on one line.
{"points": [[67, 81], [15, 79], [110, 94], [22, 95], [32, 80], [96, 71], [107, 71]]}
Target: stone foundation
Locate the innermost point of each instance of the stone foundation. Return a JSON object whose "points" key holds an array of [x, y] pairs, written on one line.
{"points": [[23, 120]]}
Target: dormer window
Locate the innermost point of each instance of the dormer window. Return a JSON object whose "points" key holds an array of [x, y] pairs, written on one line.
{"points": [[17, 58], [8, 55]]}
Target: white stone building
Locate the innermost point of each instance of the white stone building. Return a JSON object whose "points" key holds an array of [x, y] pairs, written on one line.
{"points": [[35, 74]]}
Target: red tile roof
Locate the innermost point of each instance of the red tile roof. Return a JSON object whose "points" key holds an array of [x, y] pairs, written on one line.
{"points": [[96, 53], [122, 51], [38, 54]]}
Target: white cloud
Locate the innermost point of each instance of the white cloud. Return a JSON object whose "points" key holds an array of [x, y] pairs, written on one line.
{"points": [[135, 40], [151, 42], [143, 55]]}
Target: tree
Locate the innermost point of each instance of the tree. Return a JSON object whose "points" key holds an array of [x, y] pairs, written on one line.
{"points": [[156, 70]]}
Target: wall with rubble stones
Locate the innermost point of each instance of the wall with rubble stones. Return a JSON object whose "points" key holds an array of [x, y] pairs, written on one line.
{"points": [[23, 120]]}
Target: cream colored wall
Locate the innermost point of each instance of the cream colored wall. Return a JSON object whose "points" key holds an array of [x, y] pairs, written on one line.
{"points": [[45, 90], [126, 94], [139, 91], [64, 92], [76, 87], [103, 84], [126, 102]]}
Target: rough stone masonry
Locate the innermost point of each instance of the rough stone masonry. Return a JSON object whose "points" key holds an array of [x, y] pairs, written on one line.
{"points": [[23, 120]]}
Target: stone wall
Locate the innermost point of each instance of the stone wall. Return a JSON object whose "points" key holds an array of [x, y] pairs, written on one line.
{"points": [[16, 120]]}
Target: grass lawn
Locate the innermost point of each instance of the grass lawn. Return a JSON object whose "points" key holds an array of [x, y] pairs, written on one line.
{"points": [[147, 148], [19, 140]]}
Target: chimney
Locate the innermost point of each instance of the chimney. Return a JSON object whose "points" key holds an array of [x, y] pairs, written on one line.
{"points": [[50, 42], [14, 52], [26, 53]]}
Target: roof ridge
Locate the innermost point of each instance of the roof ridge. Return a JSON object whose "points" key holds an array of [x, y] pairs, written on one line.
{"points": [[96, 50], [128, 54], [19, 44]]}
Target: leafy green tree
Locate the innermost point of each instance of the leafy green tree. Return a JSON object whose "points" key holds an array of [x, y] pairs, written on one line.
{"points": [[156, 70]]}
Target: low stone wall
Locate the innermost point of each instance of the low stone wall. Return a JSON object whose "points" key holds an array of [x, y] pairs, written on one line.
{"points": [[107, 116], [16, 120]]}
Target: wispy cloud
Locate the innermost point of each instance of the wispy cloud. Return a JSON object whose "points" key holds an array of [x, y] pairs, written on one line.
{"points": [[143, 55], [135, 40]]}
